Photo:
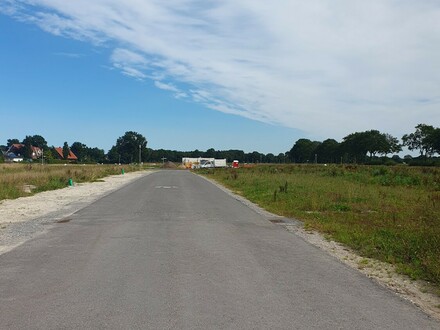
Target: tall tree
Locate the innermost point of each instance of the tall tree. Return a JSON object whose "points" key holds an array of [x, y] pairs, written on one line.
{"points": [[66, 150], [12, 141], [35, 141], [355, 146], [80, 150], [421, 139], [269, 158], [373, 142], [435, 140], [127, 148], [26, 150], [95, 155], [392, 145], [210, 153], [303, 150], [328, 151]]}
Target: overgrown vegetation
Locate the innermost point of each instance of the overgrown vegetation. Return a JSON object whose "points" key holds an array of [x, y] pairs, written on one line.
{"points": [[388, 213], [18, 180]]}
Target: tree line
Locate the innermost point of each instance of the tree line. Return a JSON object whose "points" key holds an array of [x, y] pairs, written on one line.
{"points": [[132, 148], [359, 147], [367, 146]]}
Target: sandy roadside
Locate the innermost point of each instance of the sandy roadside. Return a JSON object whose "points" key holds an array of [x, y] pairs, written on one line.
{"points": [[23, 218]]}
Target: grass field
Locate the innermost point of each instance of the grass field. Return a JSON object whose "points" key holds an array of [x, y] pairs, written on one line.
{"points": [[388, 213], [18, 180]]}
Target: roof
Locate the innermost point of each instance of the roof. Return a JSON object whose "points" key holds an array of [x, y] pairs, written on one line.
{"points": [[71, 155], [17, 145]]}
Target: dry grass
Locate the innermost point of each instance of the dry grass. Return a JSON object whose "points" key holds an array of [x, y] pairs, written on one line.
{"points": [[17, 180]]}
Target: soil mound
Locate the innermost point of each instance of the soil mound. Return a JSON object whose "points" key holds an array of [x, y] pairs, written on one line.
{"points": [[169, 165]]}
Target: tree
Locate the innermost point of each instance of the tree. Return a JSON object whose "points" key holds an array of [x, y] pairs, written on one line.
{"points": [[435, 140], [48, 154], [12, 141], [127, 148], [66, 150], [303, 150], [79, 149], [35, 141], [210, 153], [26, 150], [269, 158], [421, 139], [392, 145], [87, 154], [373, 142], [281, 158], [328, 151], [253, 157], [95, 155], [113, 155]]}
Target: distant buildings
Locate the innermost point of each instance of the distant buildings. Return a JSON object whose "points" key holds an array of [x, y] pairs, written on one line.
{"points": [[59, 154], [18, 152]]}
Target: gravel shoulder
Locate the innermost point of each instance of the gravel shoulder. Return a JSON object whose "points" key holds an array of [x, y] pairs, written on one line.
{"points": [[24, 218]]}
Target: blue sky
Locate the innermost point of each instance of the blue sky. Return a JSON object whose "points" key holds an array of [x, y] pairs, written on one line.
{"points": [[193, 74]]}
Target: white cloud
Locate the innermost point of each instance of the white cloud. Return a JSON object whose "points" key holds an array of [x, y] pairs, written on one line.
{"points": [[129, 63], [166, 87], [328, 68], [178, 94]]}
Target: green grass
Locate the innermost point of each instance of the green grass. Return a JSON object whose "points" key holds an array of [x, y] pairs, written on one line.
{"points": [[15, 177], [388, 213]]}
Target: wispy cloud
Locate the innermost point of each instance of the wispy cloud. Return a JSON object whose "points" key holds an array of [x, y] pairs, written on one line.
{"points": [[71, 55], [178, 94], [325, 67], [129, 63]]}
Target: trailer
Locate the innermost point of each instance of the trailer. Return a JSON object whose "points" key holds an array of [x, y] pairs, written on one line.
{"points": [[202, 162], [220, 163]]}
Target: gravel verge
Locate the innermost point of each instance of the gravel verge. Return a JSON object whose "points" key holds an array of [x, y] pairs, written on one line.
{"points": [[24, 218]]}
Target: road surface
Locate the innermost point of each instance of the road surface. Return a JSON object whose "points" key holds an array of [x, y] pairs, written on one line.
{"points": [[173, 251]]}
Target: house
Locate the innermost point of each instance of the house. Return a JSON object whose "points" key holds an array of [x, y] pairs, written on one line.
{"points": [[15, 153], [11, 157], [59, 154]]}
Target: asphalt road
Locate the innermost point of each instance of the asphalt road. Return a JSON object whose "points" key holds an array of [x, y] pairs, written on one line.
{"points": [[173, 251]]}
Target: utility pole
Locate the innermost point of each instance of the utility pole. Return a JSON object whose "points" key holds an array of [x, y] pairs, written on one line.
{"points": [[139, 155]]}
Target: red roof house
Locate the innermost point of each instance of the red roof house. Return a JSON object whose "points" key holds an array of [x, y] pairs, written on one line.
{"points": [[71, 155], [17, 149]]}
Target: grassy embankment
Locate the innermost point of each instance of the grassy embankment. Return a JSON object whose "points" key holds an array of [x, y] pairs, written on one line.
{"points": [[387, 213], [17, 180]]}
